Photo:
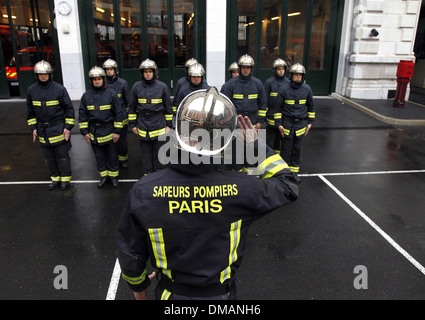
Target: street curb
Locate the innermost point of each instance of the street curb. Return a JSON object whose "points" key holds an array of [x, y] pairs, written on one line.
{"points": [[377, 116]]}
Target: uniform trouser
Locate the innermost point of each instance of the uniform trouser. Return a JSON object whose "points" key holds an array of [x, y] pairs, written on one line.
{"points": [[107, 159], [292, 143], [58, 162], [273, 137], [122, 145], [150, 149]]}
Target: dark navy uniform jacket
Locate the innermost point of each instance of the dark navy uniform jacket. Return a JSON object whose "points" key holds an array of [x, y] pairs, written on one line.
{"points": [[248, 96], [101, 114], [191, 221], [150, 109], [120, 86], [49, 111], [185, 89], [271, 86], [295, 102]]}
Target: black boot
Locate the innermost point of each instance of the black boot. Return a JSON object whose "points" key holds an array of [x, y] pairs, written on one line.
{"points": [[64, 166], [102, 182], [114, 182], [53, 185]]}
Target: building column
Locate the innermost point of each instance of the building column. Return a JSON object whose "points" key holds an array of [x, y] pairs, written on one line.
{"points": [[383, 33], [216, 42], [68, 29]]}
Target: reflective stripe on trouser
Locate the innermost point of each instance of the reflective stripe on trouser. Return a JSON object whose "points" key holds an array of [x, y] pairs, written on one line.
{"points": [[292, 145], [106, 159]]}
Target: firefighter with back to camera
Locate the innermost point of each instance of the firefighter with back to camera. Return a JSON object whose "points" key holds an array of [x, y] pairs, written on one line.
{"points": [[247, 93], [271, 86], [191, 221], [296, 115], [101, 116], [51, 118], [150, 114], [120, 86]]}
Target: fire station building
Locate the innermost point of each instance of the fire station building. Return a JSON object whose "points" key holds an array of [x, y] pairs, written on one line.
{"points": [[351, 47]]}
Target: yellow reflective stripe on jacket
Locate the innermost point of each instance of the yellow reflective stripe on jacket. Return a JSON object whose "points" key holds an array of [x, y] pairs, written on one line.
{"points": [[36, 103], [41, 139], [300, 132], [302, 101], [136, 280], [253, 96], [273, 94], [311, 115], [262, 113], [142, 133], [165, 295], [105, 138], [168, 117], [142, 100], [156, 101], [277, 116], [118, 125], [52, 103], [271, 166], [56, 139], [158, 247], [90, 108], [238, 96], [157, 132], [290, 101], [84, 125], [132, 116], [105, 107], [271, 122], [32, 121], [101, 139], [235, 237], [70, 121]]}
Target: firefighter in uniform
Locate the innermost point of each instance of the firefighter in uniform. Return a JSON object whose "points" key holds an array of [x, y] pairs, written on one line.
{"points": [[296, 116], [197, 81], [150, 114], [51, 118], [234, 70], [120, 86], [191, 220], [101, 116], [247, 93], [271, 86], [182, 83]]}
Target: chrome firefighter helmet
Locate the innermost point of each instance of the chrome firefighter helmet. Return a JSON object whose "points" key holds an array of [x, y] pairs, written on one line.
{"points": [[190, 62], [43, 67], [234, 67], [196, 70], [97, 72], [149, 64], [246, 61], [110, 64], [279, 63], [205, 122], [298, 68]]}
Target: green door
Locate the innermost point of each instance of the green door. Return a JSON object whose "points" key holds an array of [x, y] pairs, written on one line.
{"points": [[31, 38], [4, 90], [166, 31], [298, 31]]}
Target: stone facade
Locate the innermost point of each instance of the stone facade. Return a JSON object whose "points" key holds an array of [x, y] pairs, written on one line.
{"points": [[382, 33]]}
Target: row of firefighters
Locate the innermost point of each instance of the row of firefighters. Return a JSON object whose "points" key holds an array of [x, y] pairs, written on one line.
{"points": [[109, 110]]}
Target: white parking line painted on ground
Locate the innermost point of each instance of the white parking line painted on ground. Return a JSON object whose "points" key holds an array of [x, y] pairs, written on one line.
{"points": [[115, 279], [306, 175], [375, 226]]}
